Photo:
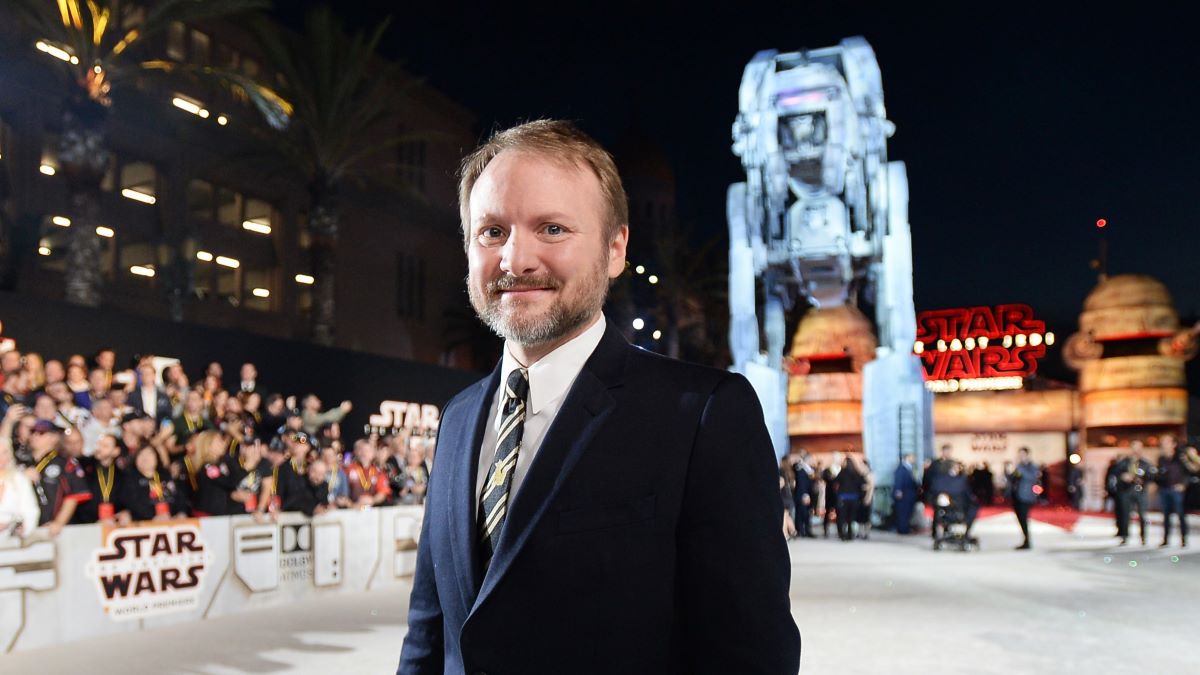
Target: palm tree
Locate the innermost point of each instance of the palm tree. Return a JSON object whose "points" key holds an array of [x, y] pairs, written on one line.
{"points": [[691, 295], [96, 58], [343, 98]]}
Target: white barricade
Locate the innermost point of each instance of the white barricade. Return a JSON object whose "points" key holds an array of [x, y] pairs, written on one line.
{"points": [[93, 581]]}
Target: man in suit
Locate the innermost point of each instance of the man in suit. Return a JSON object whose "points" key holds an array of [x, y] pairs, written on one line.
{"points": [[804, 494], [151, 398], [1023, 491], [594, 508], [905, 486]]}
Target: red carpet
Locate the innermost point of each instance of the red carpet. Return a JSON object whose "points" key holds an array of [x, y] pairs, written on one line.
{"points": [[1058, 516]]}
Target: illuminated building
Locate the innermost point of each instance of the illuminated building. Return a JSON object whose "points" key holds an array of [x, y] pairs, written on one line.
{"points": [[176, 172], [1130, 352]]}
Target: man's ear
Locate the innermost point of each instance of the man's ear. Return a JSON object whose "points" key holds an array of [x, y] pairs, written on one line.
{"points": [[616, 252]]}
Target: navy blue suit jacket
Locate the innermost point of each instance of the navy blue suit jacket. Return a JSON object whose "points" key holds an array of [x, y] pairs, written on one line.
{"points": [[646, 537], [904, 482]]}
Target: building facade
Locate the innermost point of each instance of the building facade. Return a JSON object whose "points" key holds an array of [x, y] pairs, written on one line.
{"points": [[190, 174]]}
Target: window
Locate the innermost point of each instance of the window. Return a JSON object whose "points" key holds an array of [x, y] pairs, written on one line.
{"points": [[137, 255], [410, 286], [200, 201], [258, 217], [177, 41], [303, 235], [411, 161], [227, 285], [50, 164], [201, 47], [258, 290], [139, 182], [229, 207]]}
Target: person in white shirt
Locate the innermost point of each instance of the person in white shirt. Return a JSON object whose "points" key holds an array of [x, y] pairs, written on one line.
{"points": [[19, 510]]}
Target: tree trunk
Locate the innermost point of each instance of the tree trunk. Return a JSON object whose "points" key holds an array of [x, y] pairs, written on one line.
{"points": [[84, 158], [323, 223]]}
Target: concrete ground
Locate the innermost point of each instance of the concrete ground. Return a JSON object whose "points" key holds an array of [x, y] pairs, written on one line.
{"points": [[1076, 603]]}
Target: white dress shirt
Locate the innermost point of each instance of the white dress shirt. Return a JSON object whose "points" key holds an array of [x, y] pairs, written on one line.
{"points": [[549, 381], [150, 401]]}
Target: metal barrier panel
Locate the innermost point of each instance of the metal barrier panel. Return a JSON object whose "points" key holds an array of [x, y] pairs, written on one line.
{"points": [[92, 581]]}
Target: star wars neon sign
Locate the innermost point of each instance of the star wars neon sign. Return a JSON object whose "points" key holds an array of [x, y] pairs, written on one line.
{"points": [[980, 348]]}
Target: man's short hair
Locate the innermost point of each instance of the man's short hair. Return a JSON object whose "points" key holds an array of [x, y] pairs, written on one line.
{"points": [[558, 140]]}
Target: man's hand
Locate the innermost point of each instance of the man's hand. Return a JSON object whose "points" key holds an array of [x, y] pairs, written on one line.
{"points": [[346, 406], [54, 527], [32, 474]]}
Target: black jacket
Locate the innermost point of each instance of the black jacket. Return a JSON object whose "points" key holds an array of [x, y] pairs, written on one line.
{"points": [[645, 538]]}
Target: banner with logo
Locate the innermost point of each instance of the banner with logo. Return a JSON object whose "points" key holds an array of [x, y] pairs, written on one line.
{"points": [[92, 581]]}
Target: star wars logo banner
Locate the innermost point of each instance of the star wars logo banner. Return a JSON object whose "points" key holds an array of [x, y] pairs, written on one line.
{"points": [[396, 415], [978, 343], [150, 569]]}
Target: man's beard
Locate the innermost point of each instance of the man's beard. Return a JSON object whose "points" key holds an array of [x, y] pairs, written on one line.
{"points": [[567, 312]]}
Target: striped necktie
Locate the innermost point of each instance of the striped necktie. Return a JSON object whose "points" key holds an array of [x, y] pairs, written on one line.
{"points": [[493, 505]]}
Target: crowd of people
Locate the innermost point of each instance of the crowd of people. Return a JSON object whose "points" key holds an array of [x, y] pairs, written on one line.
{"points": [[841, 492], [82, 441]]}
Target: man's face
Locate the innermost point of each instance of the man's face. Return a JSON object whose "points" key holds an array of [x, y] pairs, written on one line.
{"points": [[148, 376], [44, 408], [43, 440], [72, 442], [10, 361], [106, 359], [54, 371], [98, 380], [1136, 447], [59, 392], [1168, 445], [249, 372], [195, 403], [102, 410], [214, 369], [538, 260]]}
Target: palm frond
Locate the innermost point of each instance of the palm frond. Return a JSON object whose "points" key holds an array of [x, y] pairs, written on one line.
{"points": [[344, 98], [274, 108]]}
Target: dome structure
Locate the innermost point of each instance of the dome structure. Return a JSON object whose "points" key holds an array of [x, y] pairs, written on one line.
{"points": [[829, 332], [1128, 306]]}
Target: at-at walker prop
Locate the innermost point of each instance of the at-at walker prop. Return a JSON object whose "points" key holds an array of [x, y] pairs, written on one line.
{"points": [[824, 216]]}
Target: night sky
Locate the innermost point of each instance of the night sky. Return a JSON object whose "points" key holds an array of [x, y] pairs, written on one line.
{"points": [[1020, 128]]}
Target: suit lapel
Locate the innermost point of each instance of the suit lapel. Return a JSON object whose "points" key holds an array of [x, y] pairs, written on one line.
{"points": [[466, 439], [586, 407]]}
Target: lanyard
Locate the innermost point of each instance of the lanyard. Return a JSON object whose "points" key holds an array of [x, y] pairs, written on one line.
{"points": [[105, 490], [46, 460], [156, 490], [363, 477]]}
